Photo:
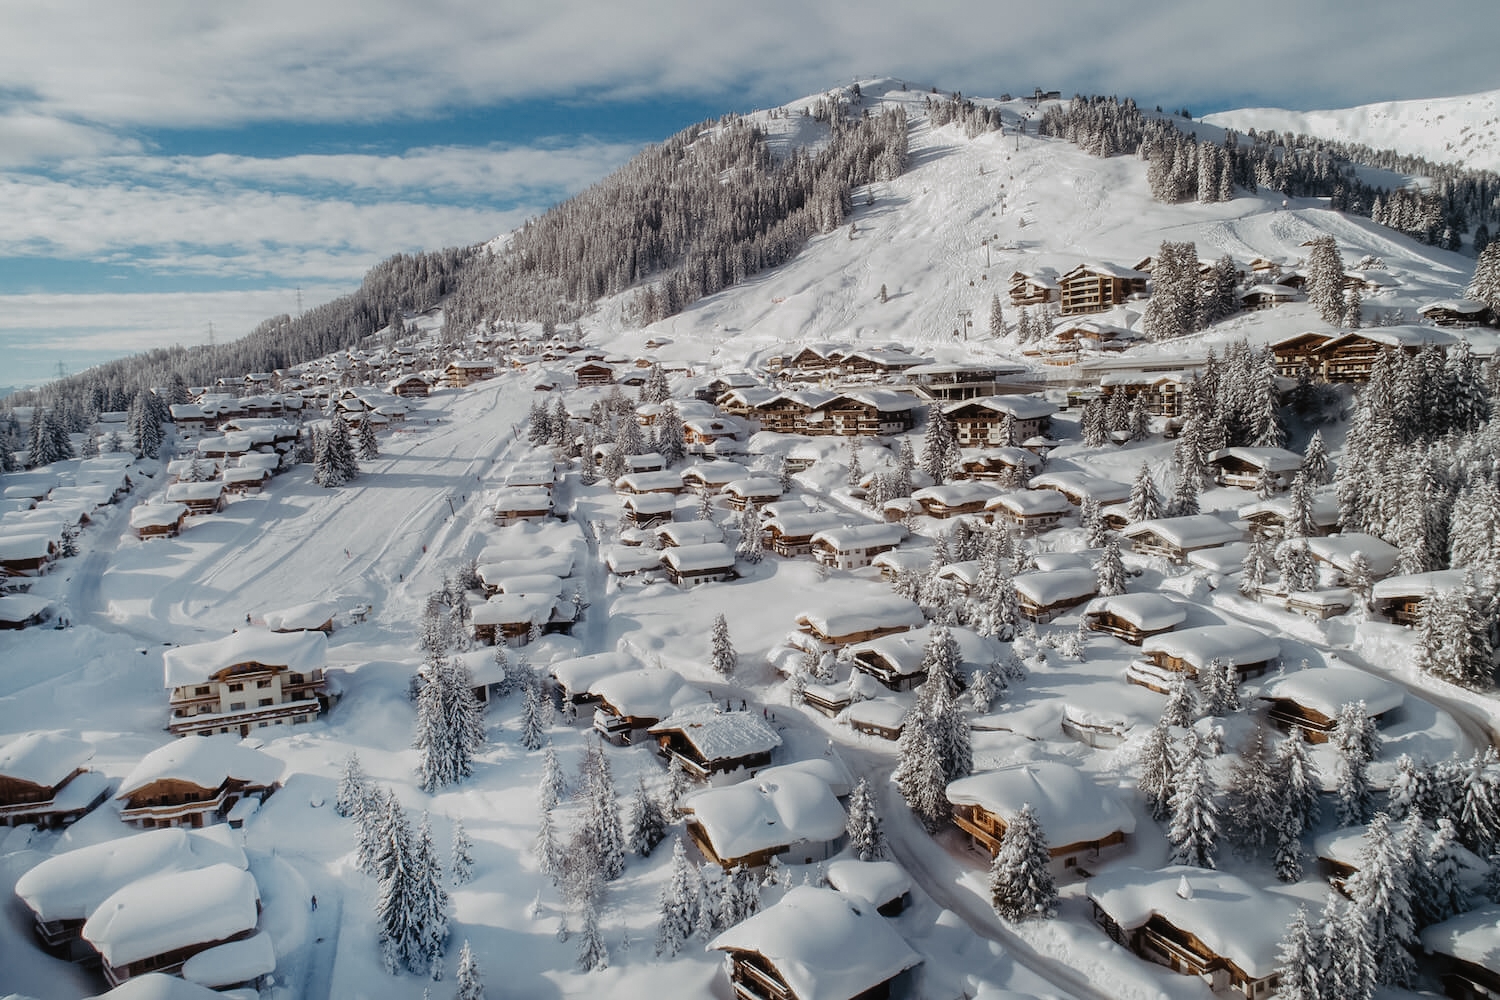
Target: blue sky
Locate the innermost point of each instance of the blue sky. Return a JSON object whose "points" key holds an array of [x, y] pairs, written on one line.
{"points": [[165, 166]]}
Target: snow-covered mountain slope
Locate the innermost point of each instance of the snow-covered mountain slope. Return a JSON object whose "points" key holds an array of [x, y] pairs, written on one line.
{"points": [[1463, 130], [946, 236]]}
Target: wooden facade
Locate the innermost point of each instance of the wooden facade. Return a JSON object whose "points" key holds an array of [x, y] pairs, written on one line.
{"points": [[1091, 288]]}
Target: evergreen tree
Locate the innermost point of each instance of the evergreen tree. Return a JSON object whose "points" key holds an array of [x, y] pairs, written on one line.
{"points": [[1094, 423], [1444, 894], [939, 446], [549, 854], [1092, 521], [722, 655], [1380, 893], [554, 784], [677, 902], [648, 823], [1253, 801], [1315, 464], [467, 979], [592, 953], [866, 838], [997, 318], [1145, 499], [1110, 570], [1485, 285], [369, 447], [602, 823], [462, 855], [1158, 769], [1021, 883], [677, 787], [1184, 497], [536, 711], [920, 775], [432, 901], [1325, 280], [353, 790], [1298, 570], [450, 726], [1181, 708], [398, 909], [1194, 826], [670, 443], [1357, 742], [749, 547], [1299, 961], [1256, 566], [1478, 819]]}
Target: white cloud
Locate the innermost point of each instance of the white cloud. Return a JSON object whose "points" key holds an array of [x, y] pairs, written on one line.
{"points": [[27, 138], [181, 62]]}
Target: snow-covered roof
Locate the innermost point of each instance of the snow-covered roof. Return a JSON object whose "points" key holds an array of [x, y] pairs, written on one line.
{"points": [[705, 556], [754, 487], [721, 735], [1049, 561], [1018, 457], [163, 913], [1070, 807], [27, 546], [956, 494], [156, 515], [70, 886], [808, 522], [647, 694], [876, 882], [300, 617], [494, 565], [1147, 612], [899, 560], [1471, 307], [1338, 551], [715, 473], [528, 583], [232, 963], [1192, 531], [828, 768], [1271, 459], [1031, 503], [825, 945], [1472, 937], [160, 986], [1347, 846], [1232, 918], [1440, 581], [1409, 335], [579, 673], [887, 713], [1327, 689], [514, 608], [204, 761], [902, 652], [649, 503], [646, 482], [521, 498], [1222, 559], [1019, 407], [631, 558], [691, 532], [793, 807], [1047, 588], [44, 759], [18, 608], [1198, 646], [861, 536], [1082, 485], [299, 652], [850, 615], [1324, 506]]}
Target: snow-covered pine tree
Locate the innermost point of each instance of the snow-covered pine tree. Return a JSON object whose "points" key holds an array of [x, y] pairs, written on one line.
{"points": [[536, 710], [997, 317], [1181, 709], [1315, 465], [1253, 801], [398, 908], [1357, 742], [1325, 280], [866, 837], [467, 979], [1255, 567], [676, 905], [1485, 285], [1478, 819], [749, 548], [1298, 570], [856, 473], [1348, 968], [1299, 522], [353, 787], [677, 788], [1094, 423], [1380, 893], [1194, 825], [461, 855], [1300, 960], [1021, 883], [1300, 788], [670, 442], [648, 823], [549, 854], [939, 446], [1184, 500], [1145, 499], [655, 389], [722, 655], [1444, 893], [1157, 769], [1092, 522], [554, 783], [920, 775], [1110, 570], [432, 901], [369, 447], [593, 956]]}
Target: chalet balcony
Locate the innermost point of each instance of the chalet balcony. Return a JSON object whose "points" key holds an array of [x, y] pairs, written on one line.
{"points": [[1158, 944], [245, 719], [175, 813], [755, 983]]}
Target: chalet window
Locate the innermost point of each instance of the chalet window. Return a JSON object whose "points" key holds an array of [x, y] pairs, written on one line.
{"points": [[262, 684], [266, 701], [236, 706], [202, 690], [296, 678], [237, 686]]}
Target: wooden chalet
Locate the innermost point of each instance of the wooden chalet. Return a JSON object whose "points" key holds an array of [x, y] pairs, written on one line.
{"points": [[1269, 518], [897, 661], [860, 620], [1133, 617], [1033, 288], [1044, 595], [1191, 650], [45, 780], [1174, 538], [1162, 392], [1458, 313], [1309, 701], [713, 476], [864, 413], [190, 421], [880, 717], [791, 535], [659, 481], [1197, 922], [1463, 950], [815, 944], [710, 743], [878, 361], [953, 382], [594, 373], [248, 680], [159, 924], [27, 554], [199, 498], [1337, 552], [1259, 297], [157, 520], [1244, 467], [1350, 357], [792, 814], [462, 373], [412, 386], [1079, 487], [1016, 464], [1095, 287], [512, 618], [759, 490], [18, 611], [1400, 598], [1079, 817], [1029, 511], [647, 510], [691, 565], [521, 503], [195, 782], [857, 545], [883, 883], [634, 700], [999, 421], [954, 499]]}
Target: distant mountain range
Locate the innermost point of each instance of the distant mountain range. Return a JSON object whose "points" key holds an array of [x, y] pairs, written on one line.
{"points": [[1463, 130]]}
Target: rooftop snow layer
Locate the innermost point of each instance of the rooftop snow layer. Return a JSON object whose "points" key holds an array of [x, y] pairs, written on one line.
{"points": [[1192, 531], [163, 913], [301, 617], [1045, 589], [1198, 646], [647, 694], [44, 759], [1147, 612], [1329, 689], [233, 963], [1338, 551], [721, 735], [299, 652], [793, 807], [876, 882], [1470, 937], [853, 615], [204, 761], [1070, 807], [827, 946]]}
